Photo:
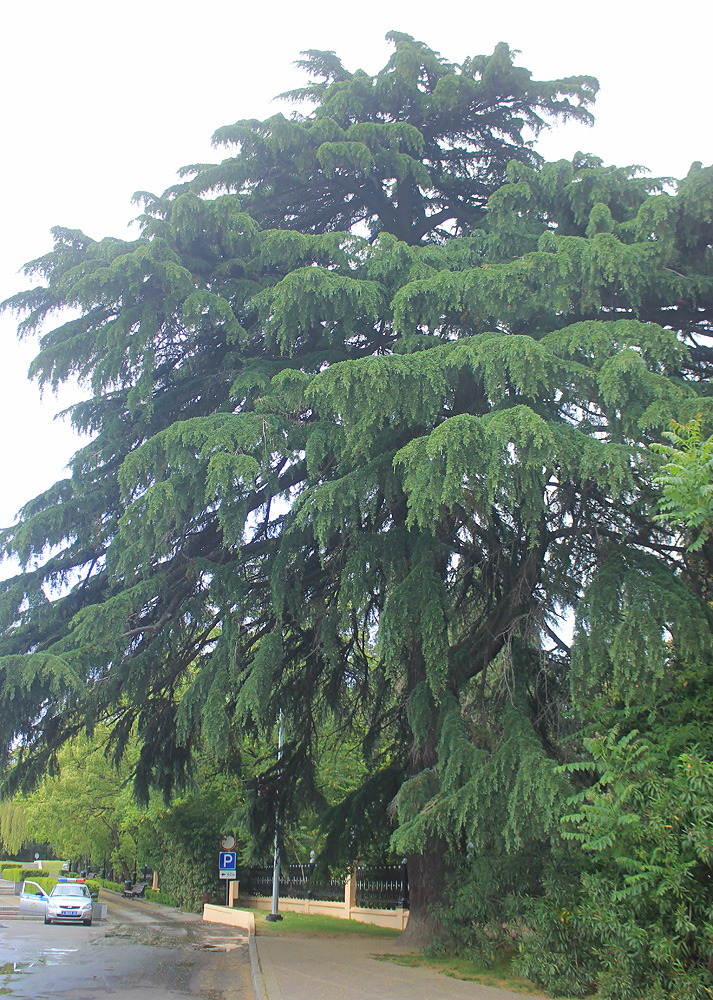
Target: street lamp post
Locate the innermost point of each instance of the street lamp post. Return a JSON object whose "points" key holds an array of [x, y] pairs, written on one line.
{"points": [[276, 915]]}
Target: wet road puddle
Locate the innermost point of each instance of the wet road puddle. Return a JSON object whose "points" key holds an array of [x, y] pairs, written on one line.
{"points": [[49, 957], [58, 956], [221, 944]]}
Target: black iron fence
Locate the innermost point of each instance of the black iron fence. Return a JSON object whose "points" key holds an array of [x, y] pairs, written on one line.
{"points": [[296, 881], [383, 888]]}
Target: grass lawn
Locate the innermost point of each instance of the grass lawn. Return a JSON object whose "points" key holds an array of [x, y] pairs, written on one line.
{"points": [[462, 968], [316, 925], [52, 867]]}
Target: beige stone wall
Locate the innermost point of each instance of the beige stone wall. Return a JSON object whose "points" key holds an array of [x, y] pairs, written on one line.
{"points": [[396, 919], [224, 915]]}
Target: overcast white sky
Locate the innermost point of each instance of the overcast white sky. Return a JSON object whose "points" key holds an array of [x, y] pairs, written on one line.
{"points": [[100, 100]]}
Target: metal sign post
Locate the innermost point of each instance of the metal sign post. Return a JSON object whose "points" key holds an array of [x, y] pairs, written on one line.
{"points": [[275, 915], [227, 869]]}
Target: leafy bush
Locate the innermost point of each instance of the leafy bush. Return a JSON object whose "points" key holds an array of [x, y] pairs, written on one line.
{"points": [[483, 897], [184, 847], [185, 881], [16, 873], [93, 885], [105, 883], [46, 882], [160, 897], [638, 917], [557, 947]]}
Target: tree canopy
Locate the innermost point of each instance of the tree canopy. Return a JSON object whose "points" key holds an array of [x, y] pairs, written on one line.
{"points": [[370, 404], [85, 809]]}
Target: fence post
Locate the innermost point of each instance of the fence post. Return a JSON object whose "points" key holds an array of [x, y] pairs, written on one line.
{"points": [[350, 893], [404, 901], [310, 873]]}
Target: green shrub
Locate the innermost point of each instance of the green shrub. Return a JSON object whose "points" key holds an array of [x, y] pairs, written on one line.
{"points": [[184, 881], [483, 896], [636, 917], [558, 945], [114, 886], [17, 873], [46, 882], [160, 897], [93, 885]]}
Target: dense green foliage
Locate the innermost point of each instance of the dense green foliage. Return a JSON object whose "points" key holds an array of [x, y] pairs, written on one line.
{"points": [[16, 873], [622, 904], [687, 481], [182, 842], [633, 903], [86, 809], [371, 403]]}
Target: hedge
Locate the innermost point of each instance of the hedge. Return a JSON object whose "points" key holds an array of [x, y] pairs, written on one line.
{"points": [[16, 873], [160, 897], [153, 894], [114, 886]]}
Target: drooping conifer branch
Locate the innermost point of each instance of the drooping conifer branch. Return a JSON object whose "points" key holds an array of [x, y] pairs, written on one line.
{"points": [[354, 473]]}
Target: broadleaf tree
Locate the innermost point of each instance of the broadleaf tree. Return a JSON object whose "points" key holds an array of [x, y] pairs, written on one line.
{"points": [[369, 403], [85, 810]]}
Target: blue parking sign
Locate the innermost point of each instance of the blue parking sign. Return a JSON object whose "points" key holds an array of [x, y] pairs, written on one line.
{"points": [[227, 860]]}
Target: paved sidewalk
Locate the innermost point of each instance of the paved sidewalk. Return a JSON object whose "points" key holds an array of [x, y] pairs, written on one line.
{"points": [[341, 968], [9, 902]]}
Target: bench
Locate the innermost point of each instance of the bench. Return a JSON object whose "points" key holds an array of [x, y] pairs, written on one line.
{"points": [[136, 892]]}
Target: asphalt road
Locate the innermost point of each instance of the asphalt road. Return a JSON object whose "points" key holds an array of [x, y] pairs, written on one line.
{"points": [[141, 952]]}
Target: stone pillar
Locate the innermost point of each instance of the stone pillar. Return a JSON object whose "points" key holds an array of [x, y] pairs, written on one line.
{"points": [[154, 883], [233, 889], [350, 894]]}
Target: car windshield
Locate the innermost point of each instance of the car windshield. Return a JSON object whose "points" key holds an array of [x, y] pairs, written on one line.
{"points": [[62, 889]]}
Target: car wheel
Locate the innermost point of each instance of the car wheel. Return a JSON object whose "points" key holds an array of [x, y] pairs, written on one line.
{"points": [[88, 923], [47, 919]]}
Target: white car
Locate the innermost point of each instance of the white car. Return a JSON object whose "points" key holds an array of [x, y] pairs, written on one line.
{"points": [[33, 899], [69, 901]]}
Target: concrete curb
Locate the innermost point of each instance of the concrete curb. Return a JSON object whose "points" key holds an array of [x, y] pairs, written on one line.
{"points": [[256, 975]]}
